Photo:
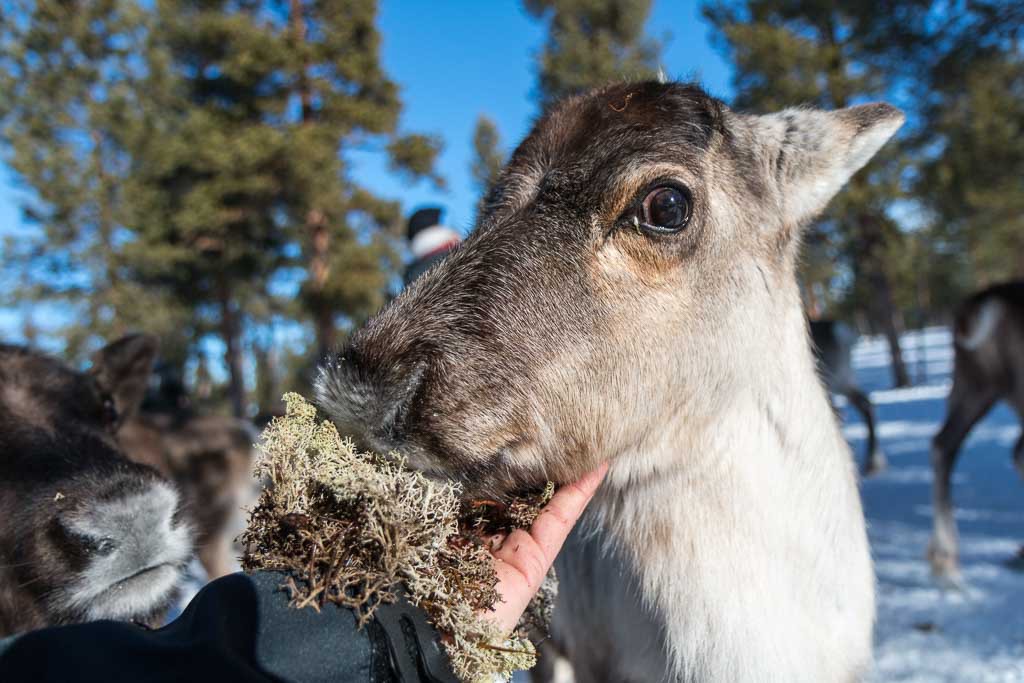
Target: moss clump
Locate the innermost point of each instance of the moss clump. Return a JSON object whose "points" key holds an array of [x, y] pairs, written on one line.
{"points": [[351, 528]]}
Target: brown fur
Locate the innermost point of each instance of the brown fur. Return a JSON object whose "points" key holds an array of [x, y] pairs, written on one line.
{"points": [[498, 292], [568, 330], [59, 465], [988, 367]]}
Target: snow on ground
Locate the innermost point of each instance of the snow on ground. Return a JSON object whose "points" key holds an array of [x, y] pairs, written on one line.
{"points": [[927, 633]]}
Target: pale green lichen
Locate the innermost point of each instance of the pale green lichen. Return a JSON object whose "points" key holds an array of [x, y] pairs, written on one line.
{"points": [[354, 528]]}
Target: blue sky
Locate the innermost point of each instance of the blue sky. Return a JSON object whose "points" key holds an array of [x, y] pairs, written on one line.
{"points": [[453, 61], [456, 60]]}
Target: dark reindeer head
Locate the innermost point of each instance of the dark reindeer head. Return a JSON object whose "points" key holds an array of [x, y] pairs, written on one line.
{"points": [[209, 458], [84, 533], [633, 257]]}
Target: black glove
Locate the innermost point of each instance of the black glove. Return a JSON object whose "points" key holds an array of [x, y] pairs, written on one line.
{"points": [[238, 628]]}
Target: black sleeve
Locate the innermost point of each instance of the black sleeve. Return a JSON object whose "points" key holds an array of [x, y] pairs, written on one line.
{"points": [[238, 628]]}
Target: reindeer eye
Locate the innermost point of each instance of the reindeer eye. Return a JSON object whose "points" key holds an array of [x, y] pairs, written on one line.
{"points": [[666, 209]]}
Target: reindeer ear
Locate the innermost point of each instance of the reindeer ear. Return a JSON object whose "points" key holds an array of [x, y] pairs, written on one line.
{"points": [[122, 369], [816, 152]]}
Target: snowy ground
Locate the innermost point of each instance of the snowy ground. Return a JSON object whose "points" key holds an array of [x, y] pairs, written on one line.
{"points": [[927, 634]]}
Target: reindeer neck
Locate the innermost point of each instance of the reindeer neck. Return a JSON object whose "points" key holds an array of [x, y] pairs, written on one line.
{"points": [[755, 542]]}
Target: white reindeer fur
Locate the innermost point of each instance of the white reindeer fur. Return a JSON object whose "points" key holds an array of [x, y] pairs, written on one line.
{"points": [[145, 567], [718, 588], [727, 544], [730, 545], [983, 326]]}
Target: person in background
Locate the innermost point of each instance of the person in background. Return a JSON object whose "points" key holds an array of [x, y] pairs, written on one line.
{"points": [[429, 241]]}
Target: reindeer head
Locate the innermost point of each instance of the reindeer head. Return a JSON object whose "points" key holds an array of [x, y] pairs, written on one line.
{"points": [[85, 533], [635, 253]]}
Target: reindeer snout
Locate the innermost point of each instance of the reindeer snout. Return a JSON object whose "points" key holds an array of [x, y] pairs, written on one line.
{"points": [[370, 401], [134, 522]]}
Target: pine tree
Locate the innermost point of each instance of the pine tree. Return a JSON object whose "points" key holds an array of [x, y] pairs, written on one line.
{"points": [[962, 71], [247, 181], [208, 174], [68, 108], [345, 99], [591, 43], [185, 155], [488, 158], [973, 185], [805, 52]]}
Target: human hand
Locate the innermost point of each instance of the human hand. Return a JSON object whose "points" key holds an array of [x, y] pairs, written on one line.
{"points": [[522, 559]]}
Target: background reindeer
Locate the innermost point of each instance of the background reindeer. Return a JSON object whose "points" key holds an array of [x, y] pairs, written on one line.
{"points": [[988, 365], [833, 343], [629, 294], [208, 457], [84, 532]]}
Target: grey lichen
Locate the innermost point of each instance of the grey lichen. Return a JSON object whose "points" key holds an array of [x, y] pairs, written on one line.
{"points": [[351, 528]]}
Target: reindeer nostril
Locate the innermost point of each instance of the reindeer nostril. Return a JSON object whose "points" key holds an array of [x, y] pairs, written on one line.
{"points": [[104, 546]]}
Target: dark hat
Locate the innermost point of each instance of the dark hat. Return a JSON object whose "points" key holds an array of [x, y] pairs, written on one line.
{"points": [[422, 219]]}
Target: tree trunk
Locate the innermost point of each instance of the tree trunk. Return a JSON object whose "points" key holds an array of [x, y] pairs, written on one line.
{"points": [[888, 317], [319, 270], [316, 221], [268, 394], [870, 257], [325, 333], [232, 351], [870, 260], [107, 280], [204, 383]]}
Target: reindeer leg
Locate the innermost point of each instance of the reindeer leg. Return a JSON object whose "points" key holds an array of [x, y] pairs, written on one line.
{"points": [[1018, 456], [967, 404], [874, 459]]}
